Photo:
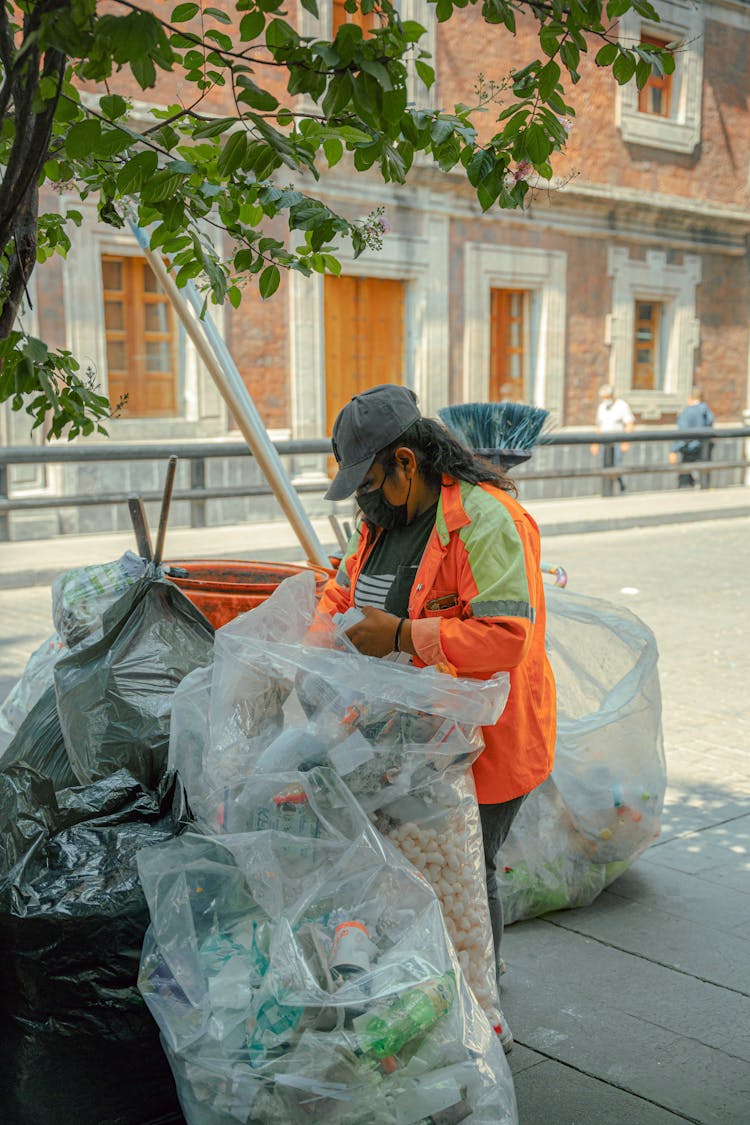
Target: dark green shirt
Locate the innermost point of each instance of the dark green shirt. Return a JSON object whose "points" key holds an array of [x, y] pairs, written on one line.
{"points": [[388, 575]]}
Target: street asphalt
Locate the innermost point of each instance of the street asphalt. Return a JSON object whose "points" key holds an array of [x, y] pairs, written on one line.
{"points": [[635, 1010]]}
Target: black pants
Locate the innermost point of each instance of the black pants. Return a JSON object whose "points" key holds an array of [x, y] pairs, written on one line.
{"points": [[687, 480], [496, 823]]}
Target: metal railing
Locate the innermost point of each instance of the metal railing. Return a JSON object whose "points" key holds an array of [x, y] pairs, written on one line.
{"points": [[197, 453]]}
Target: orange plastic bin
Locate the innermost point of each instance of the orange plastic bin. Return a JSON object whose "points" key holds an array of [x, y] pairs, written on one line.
{"points": [[224, 588]]}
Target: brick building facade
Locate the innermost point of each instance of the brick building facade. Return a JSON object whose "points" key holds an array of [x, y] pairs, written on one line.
{"points": [[633, 268]]}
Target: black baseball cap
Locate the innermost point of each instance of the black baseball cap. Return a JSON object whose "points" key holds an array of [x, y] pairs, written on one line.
{"points": [[366, 425]]}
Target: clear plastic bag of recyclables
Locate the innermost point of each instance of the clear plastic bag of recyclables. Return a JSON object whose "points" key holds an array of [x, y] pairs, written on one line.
{"points": [[114, 695], [78, 1045], [300, 972], [602, 805], [402, 739]]}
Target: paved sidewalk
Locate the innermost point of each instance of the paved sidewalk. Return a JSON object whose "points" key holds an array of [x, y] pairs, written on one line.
{"points": [[37, 561]]}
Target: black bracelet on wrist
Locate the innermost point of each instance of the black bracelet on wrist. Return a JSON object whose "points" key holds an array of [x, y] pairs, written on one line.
{"points": [[398, 634]]}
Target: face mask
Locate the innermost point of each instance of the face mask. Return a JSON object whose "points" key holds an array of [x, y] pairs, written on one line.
{"points": [[376, 509]]}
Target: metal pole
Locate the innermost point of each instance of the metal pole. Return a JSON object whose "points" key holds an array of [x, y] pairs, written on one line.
{"points": [[217, 358]]}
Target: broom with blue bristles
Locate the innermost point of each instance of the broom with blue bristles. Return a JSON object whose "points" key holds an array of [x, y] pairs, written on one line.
{"points": [[503, 432]]}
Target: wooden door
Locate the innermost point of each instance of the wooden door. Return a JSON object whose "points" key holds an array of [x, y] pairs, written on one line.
{"points": [[510, 375], [364, 337]]}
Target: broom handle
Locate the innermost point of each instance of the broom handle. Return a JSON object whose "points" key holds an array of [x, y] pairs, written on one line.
{"points": [[140, 527], [164, 514]]}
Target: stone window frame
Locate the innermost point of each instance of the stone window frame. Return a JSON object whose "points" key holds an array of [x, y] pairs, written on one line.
{"points": [[682, 20], [543, 273], [675, 287], [199, 401], [419, 260], [419, 10]]}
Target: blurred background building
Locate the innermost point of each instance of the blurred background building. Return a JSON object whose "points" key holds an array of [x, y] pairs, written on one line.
{"points": [[632, 267]]}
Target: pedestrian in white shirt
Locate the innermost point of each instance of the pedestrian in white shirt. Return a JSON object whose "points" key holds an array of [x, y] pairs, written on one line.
{"points": [[613, 416]]}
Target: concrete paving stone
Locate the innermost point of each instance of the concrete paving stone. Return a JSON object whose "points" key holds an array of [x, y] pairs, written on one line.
{"points": [[686, 817], [630, 1023], [733, 877], [682, 896], [554, 1093], [696, 946], [523, 1058], [724, 845]]}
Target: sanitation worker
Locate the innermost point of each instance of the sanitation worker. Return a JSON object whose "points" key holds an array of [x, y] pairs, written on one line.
{"points": [[445, 566]]}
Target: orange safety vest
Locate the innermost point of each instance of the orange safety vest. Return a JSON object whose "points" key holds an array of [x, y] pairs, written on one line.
{"points": [[477, 605]]}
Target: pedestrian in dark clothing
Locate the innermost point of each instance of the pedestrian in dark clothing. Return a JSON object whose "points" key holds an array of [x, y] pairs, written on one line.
{"points": [[695, 416]]}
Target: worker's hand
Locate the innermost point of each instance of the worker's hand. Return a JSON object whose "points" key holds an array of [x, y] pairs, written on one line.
{"points": [[374, 636], [673, 458], [625, 446], [594, 450]]}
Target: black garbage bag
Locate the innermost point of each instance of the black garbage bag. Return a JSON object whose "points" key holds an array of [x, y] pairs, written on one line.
{"points": [[78, 1045], [39, 743], [114, 696]]}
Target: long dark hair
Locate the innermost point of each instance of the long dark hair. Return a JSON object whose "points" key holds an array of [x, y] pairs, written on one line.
{"points": [[438, 451]]}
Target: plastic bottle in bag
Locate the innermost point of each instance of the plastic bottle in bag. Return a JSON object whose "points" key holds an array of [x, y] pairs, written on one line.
{"points": [[384, 1032]]}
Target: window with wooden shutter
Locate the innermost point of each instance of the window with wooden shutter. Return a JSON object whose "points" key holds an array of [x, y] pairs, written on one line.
{"points": [[364, 337], [140, 336], [647, 346], [656, 96], [510, 345]]}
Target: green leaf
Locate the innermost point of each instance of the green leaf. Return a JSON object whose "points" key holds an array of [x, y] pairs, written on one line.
{"points": [[235, 296], [570, 55], [537, 144], [184, 12], [549, 40], [253, 96], [412, 31], [268, 281], [338, 95], [616, 8], [218, 15], [221, 39], [280, 34], [251, 26], [425, 72], [333, 265], [233, 153], [83, 138], [334, 150], [136, 171], [440, 130], [378, 72], [112, 106], [113, 141], [214, 128], [607, 55], [624, 68], [549, 76], [144, 71]]}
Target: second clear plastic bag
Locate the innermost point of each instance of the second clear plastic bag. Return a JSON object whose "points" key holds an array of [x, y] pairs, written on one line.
{"points": [[301, 972], [602, 805], [401, 738]]}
